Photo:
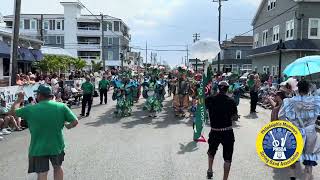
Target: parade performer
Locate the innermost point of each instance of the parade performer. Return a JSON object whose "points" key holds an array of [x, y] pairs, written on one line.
{"points": [[154, 92], [303, 111], [181, 95], [136, 89], [122, 95]]}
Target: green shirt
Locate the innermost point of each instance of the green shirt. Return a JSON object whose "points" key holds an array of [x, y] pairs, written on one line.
{"points": [[46, 122], [87, 88], [250, 84], [103, 84]]}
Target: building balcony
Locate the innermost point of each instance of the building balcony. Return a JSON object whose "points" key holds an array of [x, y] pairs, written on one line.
{"points": [[89, 31], [89, 46]]}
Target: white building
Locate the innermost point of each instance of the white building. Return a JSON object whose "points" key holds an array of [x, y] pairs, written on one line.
{"points": [[80, 35]]}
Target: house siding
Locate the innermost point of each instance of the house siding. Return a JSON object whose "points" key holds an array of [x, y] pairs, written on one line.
{"points": [[265, 16], [309, 10]]}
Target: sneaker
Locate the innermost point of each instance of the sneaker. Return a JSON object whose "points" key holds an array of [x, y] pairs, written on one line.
{"points": [[209, 175], [5, 132], [1, 133], [87, 115]]}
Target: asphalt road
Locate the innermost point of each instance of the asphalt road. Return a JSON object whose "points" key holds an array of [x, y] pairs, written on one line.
{"points": [[103, 147]]}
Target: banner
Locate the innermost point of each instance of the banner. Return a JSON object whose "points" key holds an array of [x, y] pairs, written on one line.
{"points": [[9, 93], [201, 113]]}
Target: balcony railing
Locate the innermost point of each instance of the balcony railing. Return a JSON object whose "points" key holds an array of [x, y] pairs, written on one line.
{"points": [[90, 57], [89, 28], [95, 43]]}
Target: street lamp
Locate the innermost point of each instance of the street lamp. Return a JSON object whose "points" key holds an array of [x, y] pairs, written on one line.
{"points": [[281, 46]]}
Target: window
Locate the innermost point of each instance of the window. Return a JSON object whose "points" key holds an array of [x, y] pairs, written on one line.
{"points": [[256, 40], [110, 55], [277, 70], [265, 38], [58, 25], [273, 70], [266, 69], [234, 68], [116, 26], [52, 24], [46, 39], [238, 54], [109, 26], [110, 41], [62, 24], [27, 24], [21, 24], [314, 28], [33, 24], [46, 25], [271, 4], [289, 29], [276, 31], [58, 39], [246, 67]]}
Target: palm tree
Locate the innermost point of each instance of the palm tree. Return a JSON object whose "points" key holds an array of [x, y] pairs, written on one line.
{"points": [[96, 66]]}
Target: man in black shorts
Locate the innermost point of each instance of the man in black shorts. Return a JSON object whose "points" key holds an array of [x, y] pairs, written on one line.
{"points": [[222, 109], [46, 121]]}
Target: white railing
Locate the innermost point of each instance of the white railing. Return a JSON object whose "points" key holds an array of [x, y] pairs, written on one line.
{"points": [[90, 57], [96, 43], [89, 28]]}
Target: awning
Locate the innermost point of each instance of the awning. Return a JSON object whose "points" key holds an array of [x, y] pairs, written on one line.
{"points": [[4, 50], [25, 55], [37, 54]]}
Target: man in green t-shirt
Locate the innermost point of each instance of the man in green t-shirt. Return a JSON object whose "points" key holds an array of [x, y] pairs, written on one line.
{"points": [[103, 88], [46, 121], [88, 91]]}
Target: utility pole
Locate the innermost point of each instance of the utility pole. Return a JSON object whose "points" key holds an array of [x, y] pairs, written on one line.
{"points": [[281, 46], [187, 56], [41, 28], [146, 53], [196, 37], [14, 43], [219, 29], [102, 43]]}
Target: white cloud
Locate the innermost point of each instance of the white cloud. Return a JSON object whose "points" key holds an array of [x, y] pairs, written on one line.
{"points": [[252, 2]]}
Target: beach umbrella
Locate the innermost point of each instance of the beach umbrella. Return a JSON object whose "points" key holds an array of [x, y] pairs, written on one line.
{"points": [[303, 66], [206, 49]]}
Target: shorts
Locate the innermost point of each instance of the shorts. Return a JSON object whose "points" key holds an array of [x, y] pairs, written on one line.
{"points": [[40, 164], [226, 138]]}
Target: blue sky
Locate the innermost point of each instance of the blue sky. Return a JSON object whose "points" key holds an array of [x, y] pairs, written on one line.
{"points": [[161, 22]]}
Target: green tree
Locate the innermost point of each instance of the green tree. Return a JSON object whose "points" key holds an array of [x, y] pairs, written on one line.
{"points": [[96, 66], [79, 64]]}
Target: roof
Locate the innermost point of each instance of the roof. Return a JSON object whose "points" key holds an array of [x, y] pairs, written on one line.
{"points": [[239, 41], [8, 32], [264, 1], [242, 39], [293, 45]]}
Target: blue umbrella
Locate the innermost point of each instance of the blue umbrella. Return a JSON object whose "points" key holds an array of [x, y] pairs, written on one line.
{"points": [[303, 66]]}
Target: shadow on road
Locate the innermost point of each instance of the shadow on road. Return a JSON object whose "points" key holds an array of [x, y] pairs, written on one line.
{"points": [[169, 117], [106, 118], [251, 116], [140, 117], [189, 147], [285, 173]]}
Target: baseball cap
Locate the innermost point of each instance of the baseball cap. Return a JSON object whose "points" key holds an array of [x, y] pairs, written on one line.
{"points": [[223, 83], [44, 89]]}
